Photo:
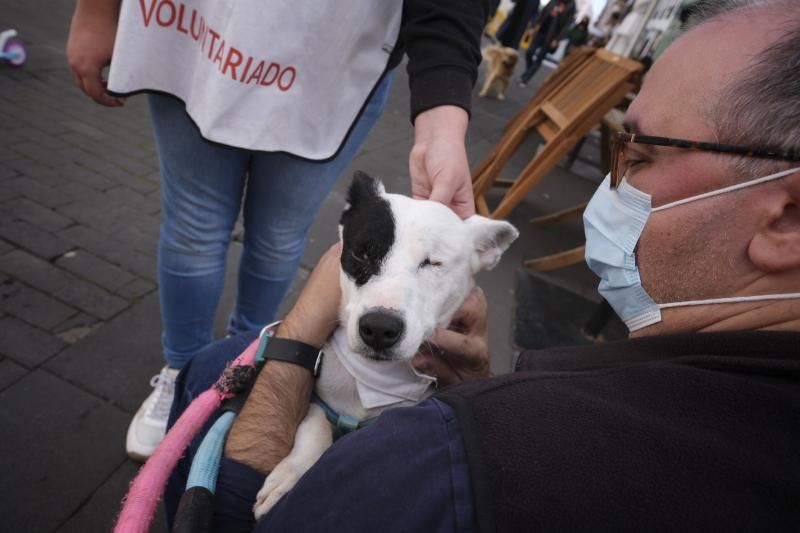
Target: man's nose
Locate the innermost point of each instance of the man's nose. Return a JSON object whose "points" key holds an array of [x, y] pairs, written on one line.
{"points": [[380, 329]]}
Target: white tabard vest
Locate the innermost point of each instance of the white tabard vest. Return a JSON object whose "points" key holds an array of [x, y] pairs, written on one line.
{"points": [[273, 75]]}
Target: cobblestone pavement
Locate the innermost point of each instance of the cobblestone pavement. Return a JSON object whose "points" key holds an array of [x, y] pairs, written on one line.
{"points": [[79, 318]]}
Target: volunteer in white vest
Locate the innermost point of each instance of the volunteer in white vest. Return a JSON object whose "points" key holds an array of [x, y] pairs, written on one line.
{"points": [[258, 106]]}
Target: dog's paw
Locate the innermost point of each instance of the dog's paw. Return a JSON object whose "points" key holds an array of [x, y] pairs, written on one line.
{"points": [[278, 483], [501, 96]]}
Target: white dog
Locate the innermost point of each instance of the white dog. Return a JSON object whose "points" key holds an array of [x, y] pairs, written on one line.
{"points": [[406, 267]]}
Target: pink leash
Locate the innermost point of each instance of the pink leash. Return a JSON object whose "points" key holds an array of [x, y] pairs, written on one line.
{"points": [[139, 506]]}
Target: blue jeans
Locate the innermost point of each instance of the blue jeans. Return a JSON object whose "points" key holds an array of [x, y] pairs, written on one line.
{"points": [[205, 186], [534, 57]]}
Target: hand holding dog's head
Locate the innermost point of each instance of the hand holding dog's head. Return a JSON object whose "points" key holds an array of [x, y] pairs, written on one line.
{"points": [[407, 265]]}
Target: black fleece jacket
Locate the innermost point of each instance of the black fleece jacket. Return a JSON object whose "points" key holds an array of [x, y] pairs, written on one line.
{"points": [[695, 432], [442, 40]]}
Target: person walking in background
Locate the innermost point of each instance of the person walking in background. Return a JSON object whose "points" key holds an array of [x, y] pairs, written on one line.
{"points": [[261, 118], [579, 34], [553, 22], [513, 28]]}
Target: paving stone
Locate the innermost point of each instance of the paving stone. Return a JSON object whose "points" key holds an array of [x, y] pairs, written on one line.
{"points": [[130, 198], [65, 443], [98, 271], [117, 361], [100, 512], [41, 138], [79, 320], [41, 243], [5, 247], [7, 172], [32, 212], [91, 299], [25, 344], [37, 308], [34, 271], [86, 197], [10, 372], [73, 173], [28, 167], [33, 190], [136, 289], [85, 129], [41, 154], [143, 265]]}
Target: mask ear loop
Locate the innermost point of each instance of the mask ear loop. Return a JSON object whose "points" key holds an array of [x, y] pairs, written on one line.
{"points": [[730, 188], [733, 300]]}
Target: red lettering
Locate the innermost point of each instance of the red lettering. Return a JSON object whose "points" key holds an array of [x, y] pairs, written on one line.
{"points": [[214, 37], [218, 56], [181, 27], [286, 86], [257, 73], [165, 3], [229, 62], [199, 27], [273, 68], [246, 68], [147, 15], [204, 33]]}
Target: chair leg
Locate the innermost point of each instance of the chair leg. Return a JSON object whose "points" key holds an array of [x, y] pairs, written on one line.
{"points": [[558, 216], [573, 155], [556, 261]]}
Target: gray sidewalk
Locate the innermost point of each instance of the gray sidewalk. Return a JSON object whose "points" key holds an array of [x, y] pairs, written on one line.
{"points": [[79, 316]]}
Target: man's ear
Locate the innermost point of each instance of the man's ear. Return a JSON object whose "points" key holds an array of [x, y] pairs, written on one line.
{"points": [[490, 239], [776, 245]]}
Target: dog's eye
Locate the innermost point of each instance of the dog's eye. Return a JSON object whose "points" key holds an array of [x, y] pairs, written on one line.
{"points": [[427, 262]]}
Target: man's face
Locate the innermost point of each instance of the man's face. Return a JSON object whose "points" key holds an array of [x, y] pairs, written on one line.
{"points": [[697, 250]]}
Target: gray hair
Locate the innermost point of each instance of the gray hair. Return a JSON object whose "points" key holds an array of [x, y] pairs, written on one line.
{"points": [[760, 107]]}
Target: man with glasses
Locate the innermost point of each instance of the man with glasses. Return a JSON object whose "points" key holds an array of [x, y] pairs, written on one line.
{"points": [[693, 423]]}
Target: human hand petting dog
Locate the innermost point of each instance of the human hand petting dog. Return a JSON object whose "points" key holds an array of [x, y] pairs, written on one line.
{"points": [[438, 161], [460, 352], [89, 47]]}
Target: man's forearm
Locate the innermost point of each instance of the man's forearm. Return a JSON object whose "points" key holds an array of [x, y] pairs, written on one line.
{"points": [[264, 431]]}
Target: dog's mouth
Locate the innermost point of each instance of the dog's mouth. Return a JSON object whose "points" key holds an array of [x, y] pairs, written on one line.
{"points": [[380, 356]]}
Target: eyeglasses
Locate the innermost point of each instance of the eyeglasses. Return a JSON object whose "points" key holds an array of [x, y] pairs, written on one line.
{"points": [[619, 167]]}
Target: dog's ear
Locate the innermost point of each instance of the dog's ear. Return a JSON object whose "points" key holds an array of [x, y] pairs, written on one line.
{"points": [[364, 186], [490, 239]]}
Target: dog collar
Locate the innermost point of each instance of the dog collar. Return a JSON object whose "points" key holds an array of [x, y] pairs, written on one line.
{"points": [[291, 351], [343, 424]]}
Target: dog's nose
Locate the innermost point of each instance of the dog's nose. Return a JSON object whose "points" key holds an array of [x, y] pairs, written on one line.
{"points": [[380, 330]]}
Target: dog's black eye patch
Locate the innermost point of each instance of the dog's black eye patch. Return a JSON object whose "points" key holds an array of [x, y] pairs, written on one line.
{"points": [[367, 230]]}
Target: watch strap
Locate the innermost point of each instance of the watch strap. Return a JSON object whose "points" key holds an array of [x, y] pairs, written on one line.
{"points": [[296, 352]]}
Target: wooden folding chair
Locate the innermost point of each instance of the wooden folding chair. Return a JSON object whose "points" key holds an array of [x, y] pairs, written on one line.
{"points": [[611, 123], [574, 100]]}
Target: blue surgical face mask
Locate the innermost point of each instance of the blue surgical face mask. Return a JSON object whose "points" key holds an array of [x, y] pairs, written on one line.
{"points": [[613, 222]]}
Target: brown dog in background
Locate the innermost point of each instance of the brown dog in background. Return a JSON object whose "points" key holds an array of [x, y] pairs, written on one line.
{"points": [[500, 63]]}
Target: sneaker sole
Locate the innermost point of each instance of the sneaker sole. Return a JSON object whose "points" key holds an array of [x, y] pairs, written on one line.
{"points": [[139, 458]]}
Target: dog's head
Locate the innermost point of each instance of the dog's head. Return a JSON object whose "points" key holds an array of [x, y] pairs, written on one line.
{"points": [[407, 265], [509, 57]]}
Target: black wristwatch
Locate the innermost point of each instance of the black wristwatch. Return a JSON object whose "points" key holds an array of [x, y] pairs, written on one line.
{"points": [[296, 352]]}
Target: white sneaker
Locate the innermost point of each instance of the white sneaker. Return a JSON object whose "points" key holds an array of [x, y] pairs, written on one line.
{"points": [[148, 427]]}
